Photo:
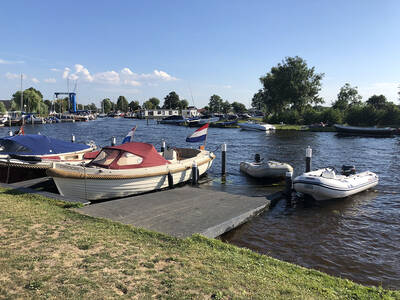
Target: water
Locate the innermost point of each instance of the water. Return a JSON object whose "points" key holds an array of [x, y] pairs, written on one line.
{"points": [[356, 238]]}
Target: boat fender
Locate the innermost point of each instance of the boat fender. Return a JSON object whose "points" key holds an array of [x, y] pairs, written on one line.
{"points": [[170, 180]]}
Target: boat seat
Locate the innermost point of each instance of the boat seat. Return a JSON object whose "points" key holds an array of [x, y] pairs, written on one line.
{"points": [[170, 154]]}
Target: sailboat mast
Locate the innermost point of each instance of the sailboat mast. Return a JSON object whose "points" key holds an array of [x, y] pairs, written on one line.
{"points": [[22, 95]]}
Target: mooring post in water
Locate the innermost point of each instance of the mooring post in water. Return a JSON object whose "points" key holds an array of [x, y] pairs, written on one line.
{"points": [[113, 141], [195, 174], [162, 146], [223, 164], [73, 138], [308, 159], [170, 180], [289, 184]]}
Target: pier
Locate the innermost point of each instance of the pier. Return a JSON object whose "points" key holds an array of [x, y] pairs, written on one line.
{"points": [[179, 212]]}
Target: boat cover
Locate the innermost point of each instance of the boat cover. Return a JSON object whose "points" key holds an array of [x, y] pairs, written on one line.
{"points": [[147, 152], [36, 144]]}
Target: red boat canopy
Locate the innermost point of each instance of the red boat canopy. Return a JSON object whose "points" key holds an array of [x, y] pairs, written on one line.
{"points": [[129, 156]]}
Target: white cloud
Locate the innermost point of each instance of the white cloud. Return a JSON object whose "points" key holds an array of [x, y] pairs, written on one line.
{"points": [[163, 75], [73, 77], [227, 86], [50, 80], [84, 72], [132, 82], [35, 80], [55, 70], [126, 71], [107, 77], [10, 62], [12, 75], [66, 72]]}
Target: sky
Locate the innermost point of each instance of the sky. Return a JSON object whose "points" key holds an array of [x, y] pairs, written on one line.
{"points": [[143, 49]]}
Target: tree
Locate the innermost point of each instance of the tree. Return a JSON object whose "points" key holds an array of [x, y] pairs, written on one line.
{"points": [[134, 105], [215, 103], [226, 107], [61, 105], [107, 105], [258, 101], [2, 107], [148, 105], [122, 104], [290, 84], [238, 108], [155, 101], [183, 104], [31, 100], [348, 96], [171, 101], [378, 102], [92, 107]]}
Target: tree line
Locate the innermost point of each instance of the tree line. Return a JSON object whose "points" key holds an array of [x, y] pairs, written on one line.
{"points": [[290, 94]]}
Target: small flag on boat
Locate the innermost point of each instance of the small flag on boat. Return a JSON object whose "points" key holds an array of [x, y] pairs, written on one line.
{"points": [[199, 135], [129, 137]]}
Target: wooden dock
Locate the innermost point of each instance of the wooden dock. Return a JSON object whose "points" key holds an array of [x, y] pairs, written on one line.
{"points": [[179, 212]]}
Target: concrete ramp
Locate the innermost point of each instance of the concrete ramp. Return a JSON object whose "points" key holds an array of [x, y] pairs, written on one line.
{"points": [[182, 211]]}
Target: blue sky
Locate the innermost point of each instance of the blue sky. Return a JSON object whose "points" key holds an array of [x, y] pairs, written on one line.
{"points": [[142, 49]]}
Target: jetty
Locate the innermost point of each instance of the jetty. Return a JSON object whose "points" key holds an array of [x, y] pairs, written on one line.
{"points": [[180, 212]]}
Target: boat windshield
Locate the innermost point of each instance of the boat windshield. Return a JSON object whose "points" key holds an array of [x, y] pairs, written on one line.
{"points": [[129, 159], [105, 157]]}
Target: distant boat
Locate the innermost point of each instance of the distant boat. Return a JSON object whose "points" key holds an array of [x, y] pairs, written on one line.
{"points": [[356, 130], [256, 126], [174, 120], [265, 169]]}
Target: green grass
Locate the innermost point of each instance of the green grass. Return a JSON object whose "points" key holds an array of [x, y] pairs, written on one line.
{"points": [[47, 250]]}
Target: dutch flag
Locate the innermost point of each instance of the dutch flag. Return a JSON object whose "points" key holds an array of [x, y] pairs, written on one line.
{"points": [[199, 135], [129, 137]]}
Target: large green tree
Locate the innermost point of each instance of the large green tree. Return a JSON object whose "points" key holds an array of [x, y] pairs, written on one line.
{"points": [[183, 104], [31, 100], [155, 101], [134, 105], [258, 101], [238, 107], [107, 105], [348, 96], [291, 84], [171, 101], [148, 105], [122, 104], [2, 107], [378, 102], [215, 103], [226, 107]]}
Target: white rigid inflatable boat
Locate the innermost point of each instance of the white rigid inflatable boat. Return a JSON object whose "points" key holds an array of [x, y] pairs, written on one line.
{"points": [[268, 169], [324, 184]]}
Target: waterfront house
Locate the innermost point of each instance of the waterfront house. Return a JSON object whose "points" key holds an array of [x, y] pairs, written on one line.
{"points": [[161, 113]]}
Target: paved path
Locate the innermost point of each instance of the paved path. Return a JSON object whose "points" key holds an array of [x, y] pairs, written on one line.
{"points": [[182, 211]]}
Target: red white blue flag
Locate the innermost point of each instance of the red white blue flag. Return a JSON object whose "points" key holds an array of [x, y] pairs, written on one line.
{"points": [[199, 135], [129, 137]]}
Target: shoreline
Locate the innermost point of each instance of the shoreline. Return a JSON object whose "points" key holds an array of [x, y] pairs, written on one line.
{"points": [[50, 250]]}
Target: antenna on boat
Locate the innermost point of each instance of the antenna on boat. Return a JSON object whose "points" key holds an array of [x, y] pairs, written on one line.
{"points": [[22, 94]]}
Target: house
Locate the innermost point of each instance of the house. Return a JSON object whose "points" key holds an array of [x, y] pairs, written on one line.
{"points": [[161, 113]]}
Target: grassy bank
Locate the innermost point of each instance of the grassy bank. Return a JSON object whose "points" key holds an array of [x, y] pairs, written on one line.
{"points": [[47, 250]]}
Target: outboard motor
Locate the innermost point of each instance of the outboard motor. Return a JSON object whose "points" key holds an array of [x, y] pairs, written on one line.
{"points": [[348, 170], [257, 158]]}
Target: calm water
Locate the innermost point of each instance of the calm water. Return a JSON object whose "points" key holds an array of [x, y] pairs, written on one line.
{"points": [[357, 238]]}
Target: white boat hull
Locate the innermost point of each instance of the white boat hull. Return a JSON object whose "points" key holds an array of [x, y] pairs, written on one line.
{"points": [[107, 188], [270, 169], [322, 188], [256, 126]]}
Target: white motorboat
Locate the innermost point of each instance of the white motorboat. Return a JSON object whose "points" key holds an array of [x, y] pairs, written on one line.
{"points": [[256, 126], [128, 169], [326, 184], [267, 169]]}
